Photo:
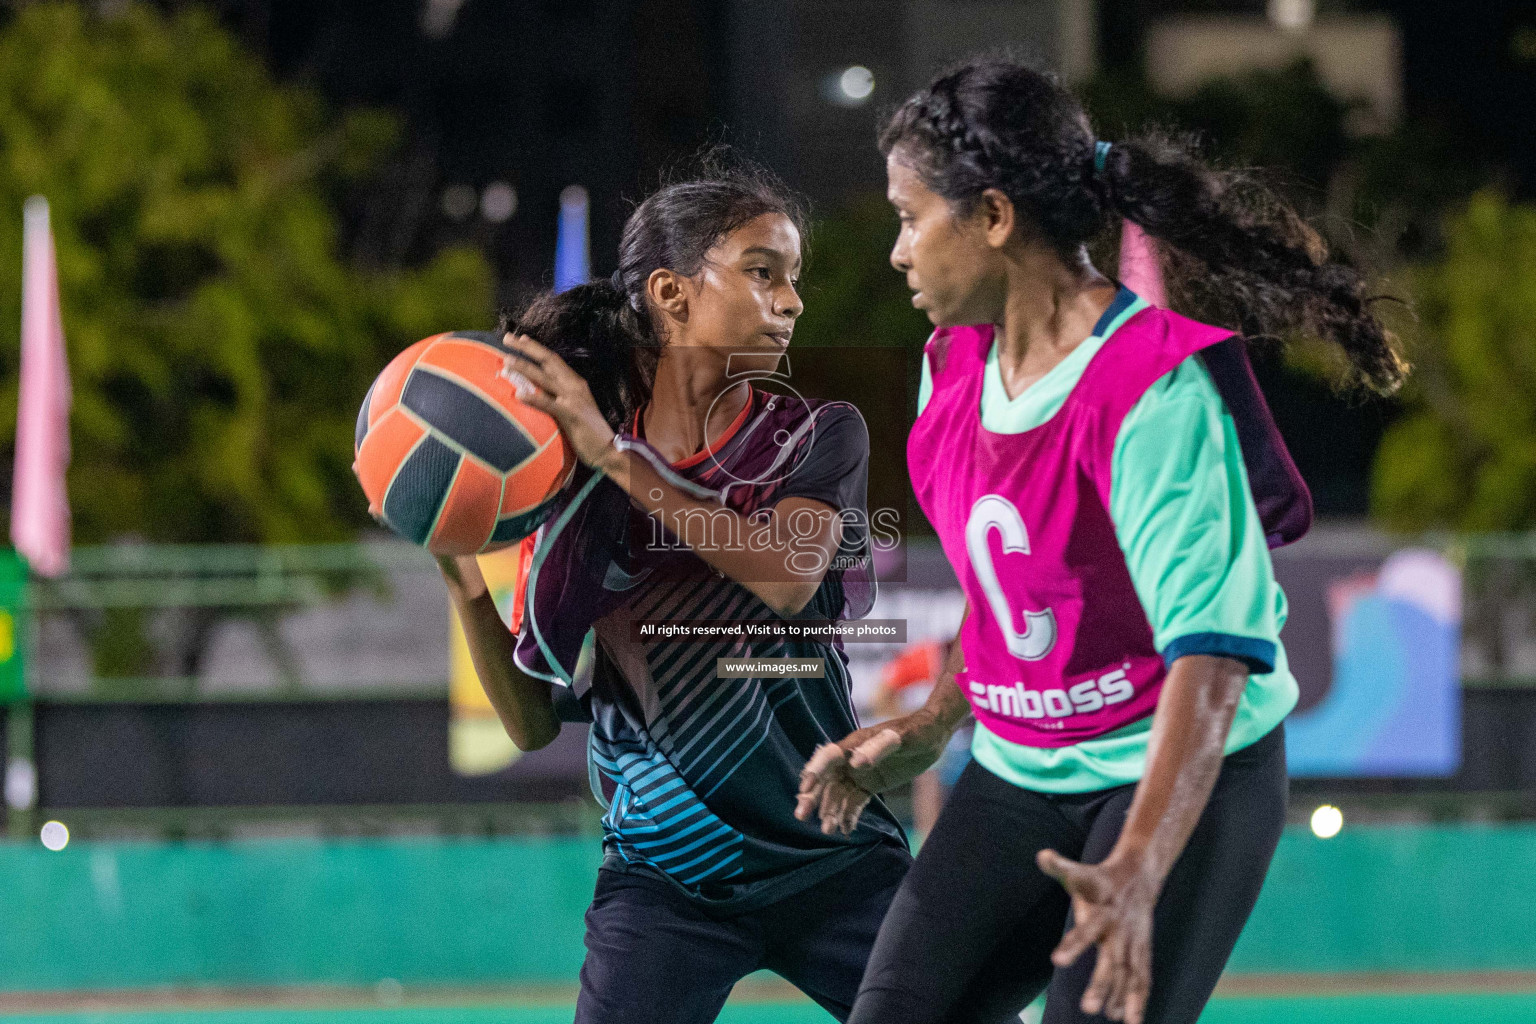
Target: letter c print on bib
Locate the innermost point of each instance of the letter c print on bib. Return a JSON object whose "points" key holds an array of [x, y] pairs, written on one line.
{"points": [[993, 511]]}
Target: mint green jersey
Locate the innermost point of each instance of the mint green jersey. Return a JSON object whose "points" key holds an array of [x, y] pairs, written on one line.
{"points": [[1186, 522]]}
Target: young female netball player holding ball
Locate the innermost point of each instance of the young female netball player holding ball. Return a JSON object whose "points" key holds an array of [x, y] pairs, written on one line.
{"points": [[1106, 480], [704, 497]]}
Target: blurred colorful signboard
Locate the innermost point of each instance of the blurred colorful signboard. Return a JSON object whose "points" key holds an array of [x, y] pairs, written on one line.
{"points": [[1377, 651], [13, 616]]}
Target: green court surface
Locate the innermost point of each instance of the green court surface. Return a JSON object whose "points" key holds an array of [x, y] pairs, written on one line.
{"points": [[1438, 1008]]}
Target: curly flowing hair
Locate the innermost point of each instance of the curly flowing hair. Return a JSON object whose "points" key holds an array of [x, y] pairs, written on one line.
{"points": [[1250, 259]]}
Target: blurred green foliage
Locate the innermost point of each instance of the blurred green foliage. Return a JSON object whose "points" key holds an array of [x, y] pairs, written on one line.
{"points": [[1464, 456], [219, 344], [853, 297]]}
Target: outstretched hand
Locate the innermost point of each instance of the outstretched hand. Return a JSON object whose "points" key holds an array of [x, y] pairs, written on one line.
{"points": [[839, 780], [1112, 905]]}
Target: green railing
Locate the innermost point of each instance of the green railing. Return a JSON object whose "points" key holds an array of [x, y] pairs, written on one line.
{"points": [[111, 592], [141, 619], [220, 575], [140, 611]]}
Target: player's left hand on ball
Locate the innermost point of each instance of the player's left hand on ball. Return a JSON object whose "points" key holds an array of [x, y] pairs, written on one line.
{"points": [[840, 778], [1112, 905], [547, 382]]}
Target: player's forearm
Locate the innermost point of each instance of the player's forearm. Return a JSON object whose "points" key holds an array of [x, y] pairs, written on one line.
{"points": [[1189, 733], [523, 703], [946, 708], [945, 701], [947, 704], [782, 567]]}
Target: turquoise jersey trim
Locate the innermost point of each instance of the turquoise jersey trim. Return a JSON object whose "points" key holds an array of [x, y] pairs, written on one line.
{"points": [[1191, 537], [1044, 398], [924, 386], [543, 550], [1258, 655]]}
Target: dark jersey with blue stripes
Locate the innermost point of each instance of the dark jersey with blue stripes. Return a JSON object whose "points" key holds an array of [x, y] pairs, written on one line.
{"points": [[700, 773]]}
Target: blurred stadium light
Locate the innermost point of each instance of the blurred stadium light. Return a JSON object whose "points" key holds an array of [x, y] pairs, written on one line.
{"points": [[438, 17], [849, 87], [1292, 15], [459, 201], [498, 202]]}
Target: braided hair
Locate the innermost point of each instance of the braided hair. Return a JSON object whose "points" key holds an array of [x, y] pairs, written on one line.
{"points": [[991, 123], [604, 329]]}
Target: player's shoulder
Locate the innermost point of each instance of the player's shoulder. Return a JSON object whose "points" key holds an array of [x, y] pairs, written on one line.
{"points": [[836, 418], [831, 408], [1183, 402], [1155, 326], [1188, 381], [1154, 358]]}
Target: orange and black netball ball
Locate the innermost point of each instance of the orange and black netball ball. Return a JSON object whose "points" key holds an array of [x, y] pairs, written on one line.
{"points": [[447, 454]]}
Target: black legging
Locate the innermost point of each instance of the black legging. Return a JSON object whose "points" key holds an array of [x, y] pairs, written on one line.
{"points": [[969, 936]]}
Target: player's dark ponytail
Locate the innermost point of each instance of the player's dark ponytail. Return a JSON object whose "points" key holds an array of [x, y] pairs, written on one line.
{"points": [[596, 329], [605, 329], [1249, 259]]}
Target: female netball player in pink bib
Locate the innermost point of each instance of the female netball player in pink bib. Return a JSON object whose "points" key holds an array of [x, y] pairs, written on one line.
{"points": [[1106, 480]]}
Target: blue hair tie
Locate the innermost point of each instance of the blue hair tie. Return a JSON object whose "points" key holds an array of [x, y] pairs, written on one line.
{"points": [[1100, 154]]}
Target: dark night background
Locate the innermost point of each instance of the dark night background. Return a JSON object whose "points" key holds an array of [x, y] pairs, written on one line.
{"points": [[608, 93]]}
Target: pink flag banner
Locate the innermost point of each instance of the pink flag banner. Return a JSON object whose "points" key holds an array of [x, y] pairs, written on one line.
{"points": [[39, 501], [1139, 268]]}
